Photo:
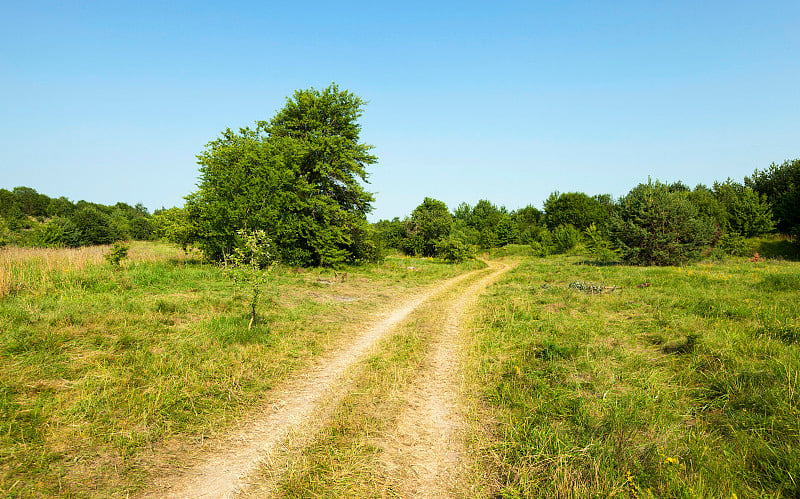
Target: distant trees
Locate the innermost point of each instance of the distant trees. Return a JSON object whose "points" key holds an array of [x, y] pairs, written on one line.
{"points": [[297, 177], [428, 227], [34, 219], [744, 212], [781, 186], [173, 225], [486, 224], [576, 209]]}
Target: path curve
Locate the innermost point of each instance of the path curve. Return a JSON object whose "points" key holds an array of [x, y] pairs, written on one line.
{"points": [[223, 472]]}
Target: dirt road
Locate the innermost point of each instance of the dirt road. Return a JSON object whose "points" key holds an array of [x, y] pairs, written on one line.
{"points": [[428, 454]]}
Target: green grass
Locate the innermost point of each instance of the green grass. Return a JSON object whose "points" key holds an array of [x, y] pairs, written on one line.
{"points": [[102, 371], [687, 387]]}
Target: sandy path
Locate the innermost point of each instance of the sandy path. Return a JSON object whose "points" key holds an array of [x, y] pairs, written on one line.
{"points": [[424, 455], [224, 470]]}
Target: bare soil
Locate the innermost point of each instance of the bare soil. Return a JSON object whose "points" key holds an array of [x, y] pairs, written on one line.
{"points": [[426, 453]]}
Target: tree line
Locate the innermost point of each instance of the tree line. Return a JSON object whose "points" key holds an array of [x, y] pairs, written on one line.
{"points": [[654, 224], [29, 218], [299, 179]]}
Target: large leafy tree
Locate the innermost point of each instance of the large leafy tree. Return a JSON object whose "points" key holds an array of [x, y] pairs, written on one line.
{"points": [[298, 177]]}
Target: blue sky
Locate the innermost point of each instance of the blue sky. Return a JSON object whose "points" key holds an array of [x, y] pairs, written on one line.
{"points": [[506, 101]]}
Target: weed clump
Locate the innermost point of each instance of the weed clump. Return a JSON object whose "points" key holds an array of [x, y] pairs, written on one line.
{"points": [[591, 287]]}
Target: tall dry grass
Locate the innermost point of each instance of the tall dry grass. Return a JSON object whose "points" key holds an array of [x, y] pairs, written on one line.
{"points": [[35, 268], [42, 269]]}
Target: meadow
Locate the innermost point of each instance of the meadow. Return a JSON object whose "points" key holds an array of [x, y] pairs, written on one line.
{"points": [[581, 379], [104, 371], [604, 381]]}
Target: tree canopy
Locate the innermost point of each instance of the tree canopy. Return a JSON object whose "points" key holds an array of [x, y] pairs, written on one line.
{"points": [[781, 185], [574, 208], [297, 177], [428, 227]]}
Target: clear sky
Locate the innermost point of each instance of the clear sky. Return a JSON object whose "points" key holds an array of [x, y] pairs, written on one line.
{"points": [[507, 101]]}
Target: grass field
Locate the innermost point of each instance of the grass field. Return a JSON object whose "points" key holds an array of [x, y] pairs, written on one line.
{"points": [[100, 369], [602, 381], [583, 380]]}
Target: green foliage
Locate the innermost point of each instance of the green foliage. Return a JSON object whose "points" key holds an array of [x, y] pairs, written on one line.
{"points": [[543, 244], [34, 219], [487, 225], [60, 207], [428, 227], [506, 231], [297, 177], [453, 250], [7, 200], [574, 208], [173, 225], [249, 265], [31, 202], [465, 233], [708, 205], [781, 185], [747, 213], [598, 246], [735, 245], [488, 239], [15, 218], [117, 253], [528, 221], [654, 226], [389, 233], [48, 235], [93, 226], [565, 237]]}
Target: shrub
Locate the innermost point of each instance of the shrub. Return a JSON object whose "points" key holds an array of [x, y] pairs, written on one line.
{"points": [[543, 244], [249, 265], [735, 245], [430, 223], [747, 212], [453, 250], [540, 249], [93, 226], [598, 246], [49, 234], [781, 185], [565, 237], [654, 226]]}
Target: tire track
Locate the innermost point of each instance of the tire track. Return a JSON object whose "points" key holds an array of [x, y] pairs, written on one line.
{"points": [[299, 403], [425, 456]]}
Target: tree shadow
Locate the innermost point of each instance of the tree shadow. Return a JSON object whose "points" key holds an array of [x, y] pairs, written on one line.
{"points": [[785, 249]]}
